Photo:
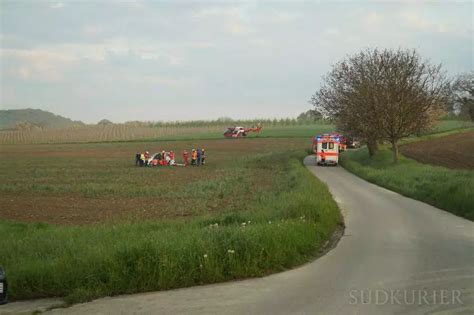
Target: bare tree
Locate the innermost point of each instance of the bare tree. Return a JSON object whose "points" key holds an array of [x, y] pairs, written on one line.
{"points": [[383, 95], [463, 94]]}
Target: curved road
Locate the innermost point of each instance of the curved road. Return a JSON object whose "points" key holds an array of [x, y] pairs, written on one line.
{"points": [[397, 256]]}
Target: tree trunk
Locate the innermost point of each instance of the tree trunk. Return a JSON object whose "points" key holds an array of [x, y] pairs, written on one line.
{"points": [[395, 151], [373, 146], [471, 110]]}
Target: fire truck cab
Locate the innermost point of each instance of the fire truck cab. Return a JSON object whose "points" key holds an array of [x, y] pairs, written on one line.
{"points": [[326, 148]]}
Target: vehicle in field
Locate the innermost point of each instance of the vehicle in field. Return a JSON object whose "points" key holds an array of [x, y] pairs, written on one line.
{"points": [[237, 132], [352, 143], [326, 148], [342, 141]]}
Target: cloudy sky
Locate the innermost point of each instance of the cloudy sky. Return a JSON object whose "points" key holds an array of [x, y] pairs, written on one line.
{"points": [[181, 60]]}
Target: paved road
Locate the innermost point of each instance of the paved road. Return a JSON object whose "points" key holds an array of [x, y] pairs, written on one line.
{"points": [[391, 243]]}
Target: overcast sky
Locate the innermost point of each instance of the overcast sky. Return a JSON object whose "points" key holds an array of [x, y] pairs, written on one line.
{"points": [[177, 60]]}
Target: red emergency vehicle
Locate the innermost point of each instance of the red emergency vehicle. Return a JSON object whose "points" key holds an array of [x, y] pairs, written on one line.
{"points": [[326, 148]]}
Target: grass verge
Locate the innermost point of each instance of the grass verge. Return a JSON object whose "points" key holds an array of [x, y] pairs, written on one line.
{"points": [[444, 188], [281, 229]]}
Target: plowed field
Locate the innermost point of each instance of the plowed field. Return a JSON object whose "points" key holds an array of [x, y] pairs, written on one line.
{"points": [[92, 183], [453, 151]]}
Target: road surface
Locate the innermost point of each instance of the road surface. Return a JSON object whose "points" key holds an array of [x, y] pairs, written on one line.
{"points": [[397, 256]]}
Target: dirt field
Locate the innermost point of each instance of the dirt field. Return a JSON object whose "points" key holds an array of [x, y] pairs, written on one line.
{"points": [[93, 183], [454, 151]]}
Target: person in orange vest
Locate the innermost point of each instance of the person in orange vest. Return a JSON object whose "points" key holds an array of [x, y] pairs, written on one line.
{"points": [[323, 156], [194, 157], [186, 158]]}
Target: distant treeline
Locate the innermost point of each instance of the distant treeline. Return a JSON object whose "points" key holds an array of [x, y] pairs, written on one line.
{"points": [[228, 122]]}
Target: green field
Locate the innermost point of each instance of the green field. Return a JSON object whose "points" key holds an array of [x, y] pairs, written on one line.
{"points": [[296, 131], [156, 131], [81, 221], [451, 125], [444, 188]]}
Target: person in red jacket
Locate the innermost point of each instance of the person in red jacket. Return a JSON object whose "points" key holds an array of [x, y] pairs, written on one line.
{"points": [[186, 158], [163, 158], [323, 156]]}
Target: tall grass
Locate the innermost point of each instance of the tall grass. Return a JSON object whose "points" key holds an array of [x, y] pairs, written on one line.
{"points": [[444, 188], [282, 228]]}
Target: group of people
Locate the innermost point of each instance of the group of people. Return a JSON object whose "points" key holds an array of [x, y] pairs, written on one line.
{"points": [[164, 158], [198, 157]]}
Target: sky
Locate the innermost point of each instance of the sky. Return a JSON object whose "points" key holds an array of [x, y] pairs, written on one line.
{"points": [[187, 60]]}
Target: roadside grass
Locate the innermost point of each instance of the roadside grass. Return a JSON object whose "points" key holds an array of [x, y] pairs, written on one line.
{"points": [[281, 228], [444, 188]]}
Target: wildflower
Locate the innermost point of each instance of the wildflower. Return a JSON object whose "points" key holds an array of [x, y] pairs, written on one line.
{"points": [[243, 223], [269, 222], [249, 222], [205, 255], [200, 266], [230, 251]]}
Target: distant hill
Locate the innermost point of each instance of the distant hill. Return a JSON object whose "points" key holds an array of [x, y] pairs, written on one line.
{"points": [[33, 118]]}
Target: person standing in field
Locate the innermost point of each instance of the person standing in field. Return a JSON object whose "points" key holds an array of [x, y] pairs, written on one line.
{"points": [[203, 156], [186, 158], [193, 157], [198, 157], [137, 158]]}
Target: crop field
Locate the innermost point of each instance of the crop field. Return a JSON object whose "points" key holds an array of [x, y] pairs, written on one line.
{"points": [[126, 132], [452, 151], [90, 183], [70, 210]]}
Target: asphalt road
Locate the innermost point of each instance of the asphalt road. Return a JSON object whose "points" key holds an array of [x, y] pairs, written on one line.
{"points": [[397, 256]]}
